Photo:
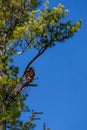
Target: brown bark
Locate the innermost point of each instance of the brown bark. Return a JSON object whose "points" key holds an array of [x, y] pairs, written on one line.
{"points": [[3, 125]]}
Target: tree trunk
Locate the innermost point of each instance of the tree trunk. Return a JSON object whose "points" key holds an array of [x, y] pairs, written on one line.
{"points": [[2, 125]]}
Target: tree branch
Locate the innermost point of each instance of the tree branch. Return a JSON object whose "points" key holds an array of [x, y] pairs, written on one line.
{"points": [[18, 91], [34, 58], [24, 49], [13, 25], [34, 113]]}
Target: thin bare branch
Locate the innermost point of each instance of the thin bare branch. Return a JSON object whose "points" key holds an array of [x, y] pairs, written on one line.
{"points": [[34, 113], [34, 58], [33, 85], [23, 50]]}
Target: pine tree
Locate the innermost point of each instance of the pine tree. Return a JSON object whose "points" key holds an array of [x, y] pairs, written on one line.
{"points": [[24, 26]]}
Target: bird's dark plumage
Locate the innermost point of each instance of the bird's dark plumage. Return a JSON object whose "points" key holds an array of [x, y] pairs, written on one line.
{"points": [[29, 75]]}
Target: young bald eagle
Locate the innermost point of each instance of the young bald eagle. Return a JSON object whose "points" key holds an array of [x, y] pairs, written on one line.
{"points": [[29, 75]]}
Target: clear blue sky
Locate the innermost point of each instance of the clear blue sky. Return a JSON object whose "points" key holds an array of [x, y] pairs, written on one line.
{"points": [[62, 72]]}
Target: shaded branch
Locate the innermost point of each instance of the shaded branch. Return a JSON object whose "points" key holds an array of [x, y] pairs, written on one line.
{"points": [[18, 91], [42, 50]]}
